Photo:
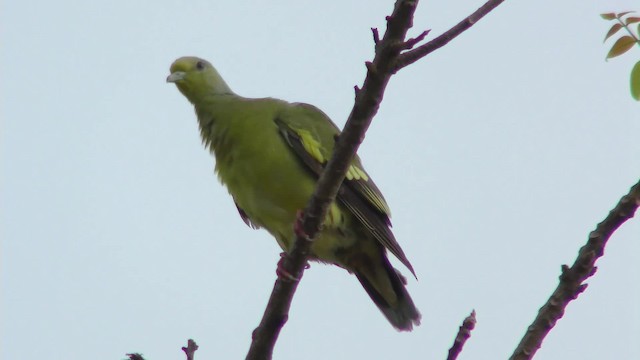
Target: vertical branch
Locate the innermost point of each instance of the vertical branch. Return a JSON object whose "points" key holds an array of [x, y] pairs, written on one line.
{"points": [[190, 349], [464, 333]]}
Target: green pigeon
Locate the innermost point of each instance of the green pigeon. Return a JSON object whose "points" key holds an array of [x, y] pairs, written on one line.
{"points": [[269, 154]]}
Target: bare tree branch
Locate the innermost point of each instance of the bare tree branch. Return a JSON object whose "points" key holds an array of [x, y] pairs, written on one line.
{"points": [[572, 278], [416, 54], [366, 105], [387, 61], [463, 335], [190, 349]]}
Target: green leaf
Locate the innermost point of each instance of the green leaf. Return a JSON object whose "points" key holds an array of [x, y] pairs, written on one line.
{"points": [[614, 29], [608, 16], [632, 19], [635, 81], [621, 46]]}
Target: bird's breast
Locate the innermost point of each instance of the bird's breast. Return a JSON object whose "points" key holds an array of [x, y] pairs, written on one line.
{"points": [[265, 178]]}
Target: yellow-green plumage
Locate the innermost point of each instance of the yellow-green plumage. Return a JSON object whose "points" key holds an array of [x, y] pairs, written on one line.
{"points": [[269, 154]]}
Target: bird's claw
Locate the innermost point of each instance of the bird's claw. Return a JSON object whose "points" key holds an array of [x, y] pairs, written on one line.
{"points": [[282, 272], [298, 228]]}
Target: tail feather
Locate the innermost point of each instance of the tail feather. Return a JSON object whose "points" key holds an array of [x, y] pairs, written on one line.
{"points": [[397, 306]]}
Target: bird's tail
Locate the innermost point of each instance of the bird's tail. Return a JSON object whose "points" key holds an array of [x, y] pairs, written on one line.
{"points": [[386, 287]]}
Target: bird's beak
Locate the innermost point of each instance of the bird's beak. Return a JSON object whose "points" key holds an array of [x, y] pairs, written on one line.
{"points": [[176, 76]]}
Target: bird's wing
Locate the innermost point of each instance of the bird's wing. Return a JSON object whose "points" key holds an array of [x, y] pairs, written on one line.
{"points": [[311, 135]]}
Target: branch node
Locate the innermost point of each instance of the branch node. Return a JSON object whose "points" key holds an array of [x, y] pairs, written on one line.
{"points": [[564, 275], [409, 44], [580, 290], [372, 68], [376, 35], [550, 323], [190, 349], [414, 55]]}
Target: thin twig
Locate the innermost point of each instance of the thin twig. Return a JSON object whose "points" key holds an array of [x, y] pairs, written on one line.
{"points": [[572, 278], [463, 335], [366, 105], [628, 28], [416, 54], [190, 349], [409, 44], [376, 36]]}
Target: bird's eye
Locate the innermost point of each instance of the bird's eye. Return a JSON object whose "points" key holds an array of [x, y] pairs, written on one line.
{"points": [[199, 65]]}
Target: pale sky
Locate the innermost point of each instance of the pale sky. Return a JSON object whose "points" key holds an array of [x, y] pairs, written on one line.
{"points": [[498, 154]]}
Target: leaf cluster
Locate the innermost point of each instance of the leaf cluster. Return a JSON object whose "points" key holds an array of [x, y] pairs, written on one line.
{"points": [[625, 20]]}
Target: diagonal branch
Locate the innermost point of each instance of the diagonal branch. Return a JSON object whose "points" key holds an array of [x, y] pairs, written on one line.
{"points": [[418, 53], [572, 278], [366, 106]]}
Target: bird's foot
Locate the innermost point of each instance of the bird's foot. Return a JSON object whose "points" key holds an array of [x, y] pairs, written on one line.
{"points": [[282, 272]]}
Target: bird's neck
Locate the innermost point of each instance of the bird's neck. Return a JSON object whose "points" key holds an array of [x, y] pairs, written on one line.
{"points": [[217, 84], [213, 118]]}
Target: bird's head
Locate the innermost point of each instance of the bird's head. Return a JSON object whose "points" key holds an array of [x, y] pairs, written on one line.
{"points": [[196, 78]]}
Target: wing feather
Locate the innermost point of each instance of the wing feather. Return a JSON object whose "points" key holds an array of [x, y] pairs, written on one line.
{"points": [[358, 193], [246, 218]]}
